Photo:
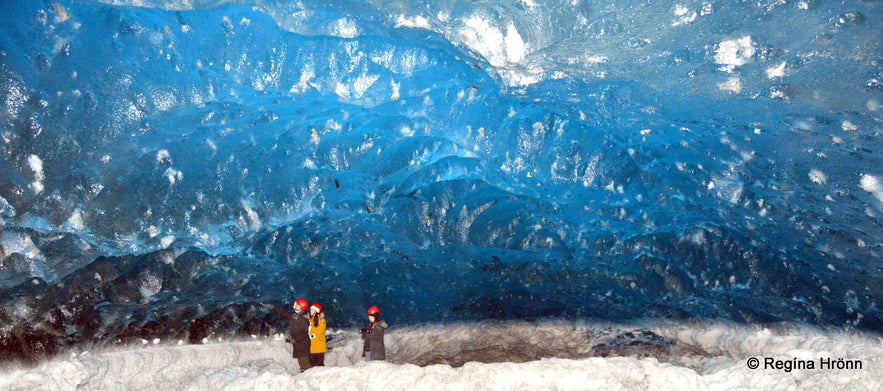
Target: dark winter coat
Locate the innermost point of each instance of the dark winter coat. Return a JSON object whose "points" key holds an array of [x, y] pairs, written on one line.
{"points": [[299, 334], [374, 340]]}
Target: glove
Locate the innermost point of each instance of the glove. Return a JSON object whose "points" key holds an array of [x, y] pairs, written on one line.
{"points": [[363, 331]]}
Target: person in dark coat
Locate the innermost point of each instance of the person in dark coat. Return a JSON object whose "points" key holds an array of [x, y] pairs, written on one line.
{"points": [[375, 348], [299, 334]]}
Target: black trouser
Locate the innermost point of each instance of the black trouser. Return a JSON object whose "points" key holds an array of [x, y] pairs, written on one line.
{"points": [[304, 363], [317, 359]]}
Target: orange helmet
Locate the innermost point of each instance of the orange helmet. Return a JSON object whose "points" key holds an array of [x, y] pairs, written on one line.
{"points": [[317, 306], [373, 310], [301, 304]]}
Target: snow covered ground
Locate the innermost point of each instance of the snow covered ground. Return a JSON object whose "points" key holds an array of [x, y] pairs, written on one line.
{"points": [[541, 356]]}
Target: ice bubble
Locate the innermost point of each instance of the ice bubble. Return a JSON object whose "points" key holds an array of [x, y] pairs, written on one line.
{"points": [[849, 19]]}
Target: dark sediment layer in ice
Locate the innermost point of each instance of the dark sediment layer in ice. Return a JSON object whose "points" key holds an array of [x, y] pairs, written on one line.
{"points": [[190, 295]]}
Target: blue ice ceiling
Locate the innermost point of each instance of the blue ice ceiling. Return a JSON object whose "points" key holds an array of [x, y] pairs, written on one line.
{"points": [[182, 161]]}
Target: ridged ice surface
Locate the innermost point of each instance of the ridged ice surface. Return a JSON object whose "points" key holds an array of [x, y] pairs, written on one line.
{"points": [[167, 166]]}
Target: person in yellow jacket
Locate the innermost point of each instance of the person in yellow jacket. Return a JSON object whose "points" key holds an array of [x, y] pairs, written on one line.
{"points": [[318, 344]]}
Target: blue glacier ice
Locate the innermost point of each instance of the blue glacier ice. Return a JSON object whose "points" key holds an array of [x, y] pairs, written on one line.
{"points": [[167, 166]]}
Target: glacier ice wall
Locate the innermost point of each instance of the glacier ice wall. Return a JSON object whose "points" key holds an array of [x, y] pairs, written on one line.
{"points": [[166, 166]]}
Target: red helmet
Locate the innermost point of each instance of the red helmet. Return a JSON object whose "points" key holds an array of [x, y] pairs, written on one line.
{"points": [[301, 304], [317, 306], [373, 310]]}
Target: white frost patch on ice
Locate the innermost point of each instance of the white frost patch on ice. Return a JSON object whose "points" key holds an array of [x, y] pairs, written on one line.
{"points": [[684, 15], [497, 48], [520, 77], [727, 186], [721, 360], [406, 131], [167, 241], [531, 4], [18, 242], [252, 216], [151, 284], [345, 28], [76, 220], [818, 177], [306, 75], [396, 94], [698, 238], [36, 165], [164, 100], [733, 84], [734, 53], [515, 49], [6, 210], [363, 83], [163, 157], [418, 22], [777, 71], [174, 176], [873, 185]]}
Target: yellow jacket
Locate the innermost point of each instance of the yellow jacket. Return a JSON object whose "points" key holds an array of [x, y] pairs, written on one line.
{"points": [[317, 336]]}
